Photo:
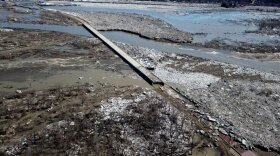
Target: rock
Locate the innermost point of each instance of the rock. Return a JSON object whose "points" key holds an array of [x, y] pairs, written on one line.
{"points": [[245, 143], [211, 119], [90, 89], [80, 78], [62, 123], [51, 97], [223, 131], [201, 132], [19, 91], [215, 134], [72, 123]]}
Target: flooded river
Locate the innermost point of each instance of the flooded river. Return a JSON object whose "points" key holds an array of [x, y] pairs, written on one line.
{"points": [[44, 73], [214, 23], [232, 26]]}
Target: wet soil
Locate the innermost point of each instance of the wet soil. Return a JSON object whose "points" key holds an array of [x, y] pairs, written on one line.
{"points": [[49, 59]]}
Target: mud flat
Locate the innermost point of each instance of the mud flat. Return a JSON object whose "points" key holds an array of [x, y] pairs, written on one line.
{"points": [[49, 59], [244, 103], [141, 25]]}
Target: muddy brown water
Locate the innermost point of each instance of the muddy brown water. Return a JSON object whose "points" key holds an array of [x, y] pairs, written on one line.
{"points": [[38, 80]]}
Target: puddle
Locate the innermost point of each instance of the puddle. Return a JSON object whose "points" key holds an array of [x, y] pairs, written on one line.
{"points": [[38, 80], [43, 73]]}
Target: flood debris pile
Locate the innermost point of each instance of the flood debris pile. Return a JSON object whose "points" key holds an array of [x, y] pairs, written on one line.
{"points": [[99, 120], [243, 102], [142, 25]]}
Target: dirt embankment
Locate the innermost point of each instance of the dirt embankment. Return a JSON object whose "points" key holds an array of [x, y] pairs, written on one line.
{"points": [[242, 101], [144, 26]]}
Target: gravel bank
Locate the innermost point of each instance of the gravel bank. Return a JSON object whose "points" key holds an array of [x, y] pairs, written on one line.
{"points": [[243, 101], [144, 26]]}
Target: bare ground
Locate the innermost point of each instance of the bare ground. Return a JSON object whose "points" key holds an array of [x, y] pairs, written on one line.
{"points": [[244, 102]]}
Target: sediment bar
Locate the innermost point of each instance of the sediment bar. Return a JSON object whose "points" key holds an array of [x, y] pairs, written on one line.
{"points": [[142, 71]]}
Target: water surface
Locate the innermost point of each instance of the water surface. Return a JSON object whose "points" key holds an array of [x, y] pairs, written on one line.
{"points": [[215, 23]]}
